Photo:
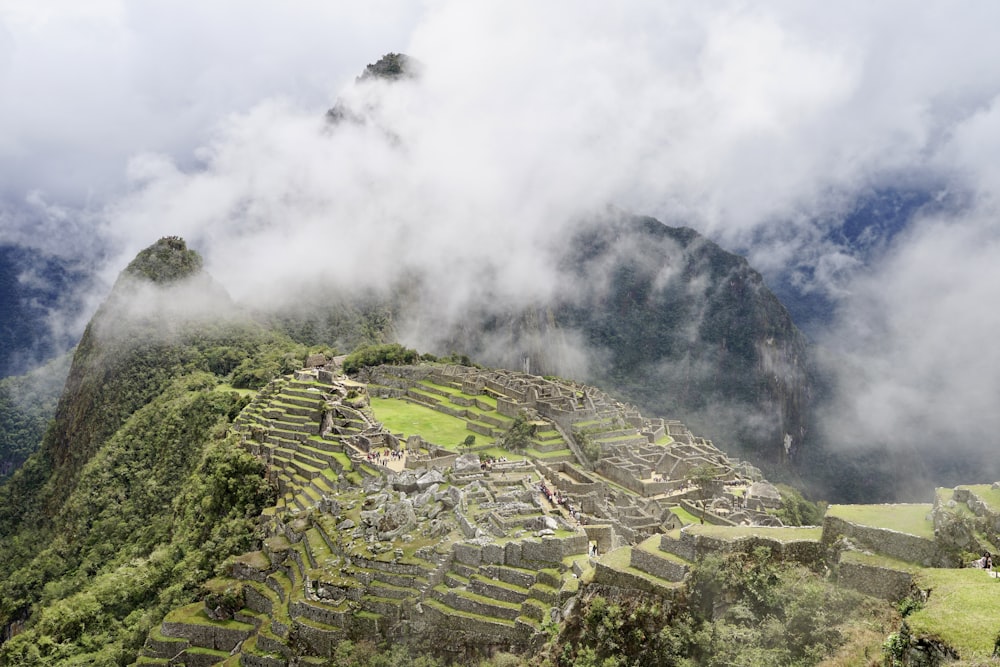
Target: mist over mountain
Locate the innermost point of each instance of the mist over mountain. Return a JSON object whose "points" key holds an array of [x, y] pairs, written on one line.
{"points": [[38, 298]]}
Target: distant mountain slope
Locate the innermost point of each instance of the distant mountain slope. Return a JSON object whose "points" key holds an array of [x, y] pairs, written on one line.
{"points": [[135, 495], [33, 287], [664, 318], [27, 404]]}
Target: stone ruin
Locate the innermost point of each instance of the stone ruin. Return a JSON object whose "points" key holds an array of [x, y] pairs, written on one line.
{"points": [[388, 535]]}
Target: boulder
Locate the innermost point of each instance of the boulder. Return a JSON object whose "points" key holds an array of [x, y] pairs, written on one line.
{"points": [[421, 499], [406, 482], [397, 519], [429, 479], [467, 462]]}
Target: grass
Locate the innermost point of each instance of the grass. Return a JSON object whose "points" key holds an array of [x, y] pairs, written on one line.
{"points": [[961, 611], [685, 516], [906, 518], [255, 559], [987, 494], [618, 559], [414, 419], [226, 387], [878, 560], [785, 534], [194, 614]]}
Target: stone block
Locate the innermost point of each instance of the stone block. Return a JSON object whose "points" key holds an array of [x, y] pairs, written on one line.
{"points": [[468, 554], [493, 554]]}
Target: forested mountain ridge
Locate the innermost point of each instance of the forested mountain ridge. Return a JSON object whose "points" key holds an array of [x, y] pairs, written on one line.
{"points": [[186, 495], [134, 481], [668, 320]]}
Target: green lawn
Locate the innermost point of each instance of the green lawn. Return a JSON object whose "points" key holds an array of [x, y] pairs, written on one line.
{"points": [[242, 392], [904, 518], [413, 419], [987, 493], [685, 516], [962, 611]]}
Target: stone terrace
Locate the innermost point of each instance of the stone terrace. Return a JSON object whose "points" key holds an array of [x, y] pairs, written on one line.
{"points": [[438, 544]]}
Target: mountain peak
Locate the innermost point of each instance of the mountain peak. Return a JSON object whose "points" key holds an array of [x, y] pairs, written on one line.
{"points": [[390, 66], [166, 261]]}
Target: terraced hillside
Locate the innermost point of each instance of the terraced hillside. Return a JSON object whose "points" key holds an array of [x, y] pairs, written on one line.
{"points": [[392, 523]]}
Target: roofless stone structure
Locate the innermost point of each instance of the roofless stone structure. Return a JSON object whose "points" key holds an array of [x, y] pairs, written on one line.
{"points": [[392, 535]]}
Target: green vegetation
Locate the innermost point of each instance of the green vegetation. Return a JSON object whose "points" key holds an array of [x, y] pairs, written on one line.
{"points": [[743, 609], [167, 260], [376, 355], [27, 404], [987, 493], [136, 495], [415, 419], [702, 477], [905, 518], [961, 611], [774, 533], [796, 510], [517, 438], [685, 516]]}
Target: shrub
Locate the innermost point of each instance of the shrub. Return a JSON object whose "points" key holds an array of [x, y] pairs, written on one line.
{"points": [[377, 355]]}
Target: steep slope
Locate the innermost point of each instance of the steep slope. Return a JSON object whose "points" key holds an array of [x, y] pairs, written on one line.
{"points": [[134, 495], [33, 288], [668, 320], [27, 404]]}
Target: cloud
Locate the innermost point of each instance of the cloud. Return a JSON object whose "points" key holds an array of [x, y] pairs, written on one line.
{"points": [[760, 125], [915, 347]]}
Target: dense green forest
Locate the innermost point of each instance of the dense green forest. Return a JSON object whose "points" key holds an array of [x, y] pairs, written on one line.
{"points": [[27, 404]]}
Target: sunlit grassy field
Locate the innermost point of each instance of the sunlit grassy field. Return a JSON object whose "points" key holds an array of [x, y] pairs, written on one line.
{"points": [[413, 419], [905, 518], [962, 610], [989, 495]]}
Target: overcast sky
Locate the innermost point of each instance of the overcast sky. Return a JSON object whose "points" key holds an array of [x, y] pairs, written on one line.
{"points": [[759, 124]]}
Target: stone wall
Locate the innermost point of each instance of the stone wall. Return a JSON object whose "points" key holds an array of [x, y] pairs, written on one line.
{"points": [[879, 582], [622, 579], [713, 519], [619, 476], [208, 636], [891, 543], [980, 507], [808, 552], [664, 568]]}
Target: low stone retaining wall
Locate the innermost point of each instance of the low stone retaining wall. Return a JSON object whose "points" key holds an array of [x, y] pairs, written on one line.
{"points": [[315, 612], [480, 608], [159, 648], [664, 568], [713, 519], [509, 575], [476, 630], [206, 636], [491, 590], [879, 582], [808, 552], [891, 543], [254, 660], [621, 579]]}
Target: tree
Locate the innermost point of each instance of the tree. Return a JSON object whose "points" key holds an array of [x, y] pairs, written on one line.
{"points": [[702, 476], [518, 436]]}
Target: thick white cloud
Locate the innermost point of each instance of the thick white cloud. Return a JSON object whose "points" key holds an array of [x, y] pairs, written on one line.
{"points": [[760, 124]]}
